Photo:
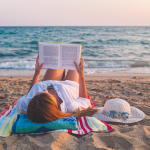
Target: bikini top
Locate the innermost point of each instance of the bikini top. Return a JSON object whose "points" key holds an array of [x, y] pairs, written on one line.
{"points": [[50, 87]]}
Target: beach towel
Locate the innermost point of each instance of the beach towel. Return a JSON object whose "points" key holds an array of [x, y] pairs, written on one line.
{"points": [[7, 118], [23, 125], [93, 106], [84, 124]]}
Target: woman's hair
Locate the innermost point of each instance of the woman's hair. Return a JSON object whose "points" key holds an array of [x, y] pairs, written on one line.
{"points": [[43, 108]]}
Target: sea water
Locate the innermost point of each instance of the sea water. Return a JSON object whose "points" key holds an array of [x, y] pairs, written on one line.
{"points": [[104, 49]]}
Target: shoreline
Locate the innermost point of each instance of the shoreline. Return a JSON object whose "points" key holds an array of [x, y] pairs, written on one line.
{"points": [[90, 77], [87, 72]]}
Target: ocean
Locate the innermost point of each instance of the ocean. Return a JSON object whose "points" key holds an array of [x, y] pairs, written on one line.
{"points": [[105, 49]]}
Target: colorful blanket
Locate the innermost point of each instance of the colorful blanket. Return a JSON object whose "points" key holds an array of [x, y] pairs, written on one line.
{"points": [[85, 124]]}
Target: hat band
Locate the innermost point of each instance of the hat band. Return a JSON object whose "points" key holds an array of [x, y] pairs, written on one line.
{"points": [[114, 114]]}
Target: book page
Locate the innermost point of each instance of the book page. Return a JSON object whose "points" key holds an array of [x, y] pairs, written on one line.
{"points": [[50, 55], [68, 54]]}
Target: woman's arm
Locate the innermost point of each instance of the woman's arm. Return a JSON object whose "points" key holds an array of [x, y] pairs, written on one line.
{"points": [[82, 86], [38, 71]]}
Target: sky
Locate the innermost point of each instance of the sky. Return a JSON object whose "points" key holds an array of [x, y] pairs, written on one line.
{"points": [[74, 12]]}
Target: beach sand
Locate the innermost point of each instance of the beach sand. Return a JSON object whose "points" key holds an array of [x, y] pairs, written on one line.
{"points": [[135, 136]]}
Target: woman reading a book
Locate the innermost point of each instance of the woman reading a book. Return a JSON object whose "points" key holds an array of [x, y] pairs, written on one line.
{"points": [[57, 96]]}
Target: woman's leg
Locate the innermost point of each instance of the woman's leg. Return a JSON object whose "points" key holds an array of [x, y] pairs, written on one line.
{"points": [[72, 75], [52, 74]]}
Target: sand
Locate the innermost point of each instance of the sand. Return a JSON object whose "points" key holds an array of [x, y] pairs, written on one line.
{"points": [[135, 136]]}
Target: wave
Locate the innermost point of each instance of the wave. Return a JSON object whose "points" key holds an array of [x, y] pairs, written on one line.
{"points": [[118, 40], [123, 71], [1, 31], [12, 33], [2, 55], [29, 65], [100, 40], [88, 64], [31, 42], [18, 53], [79, 42], [110, 41], [145, 42], [115, 63], [93, 47]]}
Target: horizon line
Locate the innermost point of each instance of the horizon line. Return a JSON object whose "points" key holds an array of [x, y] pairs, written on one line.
{"points": [[84, 26]]}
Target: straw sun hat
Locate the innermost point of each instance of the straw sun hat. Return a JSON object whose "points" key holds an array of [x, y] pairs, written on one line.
{"points": [[119, 106]]}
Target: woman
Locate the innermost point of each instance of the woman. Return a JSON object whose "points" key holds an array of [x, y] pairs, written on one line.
{"points": [[56, 96]]}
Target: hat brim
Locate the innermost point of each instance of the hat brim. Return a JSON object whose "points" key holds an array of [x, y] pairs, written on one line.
{"points": [[135, 116]]}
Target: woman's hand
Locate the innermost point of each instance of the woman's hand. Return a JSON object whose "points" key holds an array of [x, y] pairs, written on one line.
{"points": [[80, 68], [82, 86], [38, 69]]}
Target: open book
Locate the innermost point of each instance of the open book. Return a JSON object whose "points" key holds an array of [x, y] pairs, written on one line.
{"points": [[59, 56]]}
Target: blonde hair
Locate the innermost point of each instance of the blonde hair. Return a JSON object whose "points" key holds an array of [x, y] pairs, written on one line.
{"points": [[43, 108]]}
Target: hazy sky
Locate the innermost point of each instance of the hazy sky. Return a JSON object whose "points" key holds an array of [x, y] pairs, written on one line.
{"points": [[74, 12]]}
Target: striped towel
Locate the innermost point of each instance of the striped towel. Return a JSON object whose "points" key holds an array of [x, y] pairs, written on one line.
{"points": [[7, 118], [85, 124]]}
